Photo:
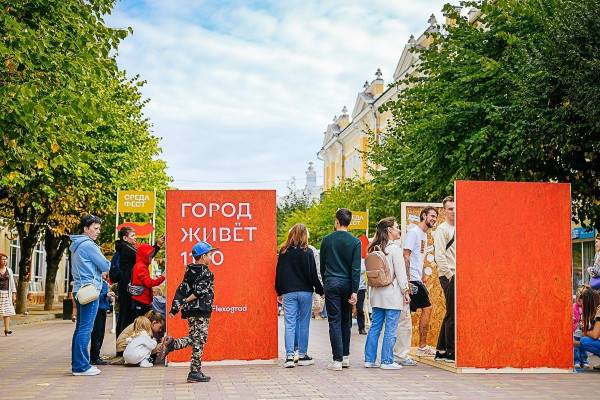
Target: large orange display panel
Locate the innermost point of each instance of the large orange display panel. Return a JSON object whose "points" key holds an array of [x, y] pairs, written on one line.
{"points": [[242, 225], [513, 278]]}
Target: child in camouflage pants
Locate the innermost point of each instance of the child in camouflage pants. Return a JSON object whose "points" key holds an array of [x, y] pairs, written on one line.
{"points": [[194, 297]]}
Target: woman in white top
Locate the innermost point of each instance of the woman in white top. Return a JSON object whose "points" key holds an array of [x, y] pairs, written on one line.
{"points": [[388, 301]]}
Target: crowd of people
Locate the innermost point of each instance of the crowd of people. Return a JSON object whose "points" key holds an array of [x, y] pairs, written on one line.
{"points": [[387, 275], [390, 277], [140, 328]]}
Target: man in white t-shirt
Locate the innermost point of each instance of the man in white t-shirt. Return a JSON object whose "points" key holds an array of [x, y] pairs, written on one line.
{"points": [[415, 248]]}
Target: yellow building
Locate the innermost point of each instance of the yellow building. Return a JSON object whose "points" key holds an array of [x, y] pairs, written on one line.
{"points": [[345, 141]]}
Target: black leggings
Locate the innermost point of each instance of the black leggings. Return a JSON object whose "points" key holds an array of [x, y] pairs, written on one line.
{"points": [[138, 309]]}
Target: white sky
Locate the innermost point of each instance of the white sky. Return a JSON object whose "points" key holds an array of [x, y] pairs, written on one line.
{"points": [[241, 91]]}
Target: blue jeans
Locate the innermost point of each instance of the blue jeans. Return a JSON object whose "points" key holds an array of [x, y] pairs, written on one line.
{"points": [[391, 318], [580, 355], [589, 344], [86, 315], [297, 308], [339, 313]]}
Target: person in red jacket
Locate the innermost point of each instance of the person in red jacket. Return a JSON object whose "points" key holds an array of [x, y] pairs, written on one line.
{"points": [[141, 277]]}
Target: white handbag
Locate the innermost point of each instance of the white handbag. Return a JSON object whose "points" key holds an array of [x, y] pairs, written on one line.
{"points": [[87, 293]]}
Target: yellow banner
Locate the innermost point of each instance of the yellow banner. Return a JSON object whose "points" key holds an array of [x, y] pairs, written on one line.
{"points": [[136, 201], [360, 220]]}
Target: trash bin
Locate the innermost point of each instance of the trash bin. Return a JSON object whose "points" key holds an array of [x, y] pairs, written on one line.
{"points": [[67, 309]]}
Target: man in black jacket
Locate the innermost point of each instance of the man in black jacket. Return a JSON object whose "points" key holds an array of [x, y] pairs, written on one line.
{"points": [[120, 273], [194, 297], [121, 270]]}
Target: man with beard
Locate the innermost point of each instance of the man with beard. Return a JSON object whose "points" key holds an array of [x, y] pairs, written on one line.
{"points": [[415, 246]]}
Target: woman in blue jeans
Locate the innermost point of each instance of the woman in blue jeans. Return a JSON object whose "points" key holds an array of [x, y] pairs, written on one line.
{"points": [[87, 266], [388, 301], [590, 341], [295, 281]]}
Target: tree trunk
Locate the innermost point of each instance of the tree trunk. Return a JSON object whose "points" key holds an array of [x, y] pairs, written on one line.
{"points": [[27, 241], [28, 237], [55, 248]]}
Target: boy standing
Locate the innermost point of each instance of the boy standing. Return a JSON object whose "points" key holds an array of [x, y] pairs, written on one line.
{"points": [[194, 297]]}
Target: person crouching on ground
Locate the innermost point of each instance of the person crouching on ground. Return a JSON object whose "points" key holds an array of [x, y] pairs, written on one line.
{"points": [[157, 323], [141, 344], [194, 297], [295, 281]]}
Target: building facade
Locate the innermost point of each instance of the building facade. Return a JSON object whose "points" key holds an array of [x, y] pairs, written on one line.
{"points": [[346, 139]]}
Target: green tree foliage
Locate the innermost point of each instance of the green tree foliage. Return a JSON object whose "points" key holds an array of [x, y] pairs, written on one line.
{"points": [[319, 218], [514, 96], [72, 125]]}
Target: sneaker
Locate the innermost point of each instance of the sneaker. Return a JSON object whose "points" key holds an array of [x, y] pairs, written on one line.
{"points": [[440, 356], [391, 366], [585, 365], [90, 372], [346, 362], [362, 332], [407, 362], [371, 364], [289, 362], [99, 362], [305, 360], [426, 351], [449, 358], [167, 347], [335, 366], [194, 377], [146, 364]]}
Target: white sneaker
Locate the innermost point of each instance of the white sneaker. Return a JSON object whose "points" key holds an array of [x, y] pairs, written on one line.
{"points": [[346, 362], [146, 364], [289, 362], [391, 366], [407, 362], [89, 372], [426, 351], [371, 364], [335, 366]]}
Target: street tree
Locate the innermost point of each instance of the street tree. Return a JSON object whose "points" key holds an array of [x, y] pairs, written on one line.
{"points": [[71, 121], [511, 96]]}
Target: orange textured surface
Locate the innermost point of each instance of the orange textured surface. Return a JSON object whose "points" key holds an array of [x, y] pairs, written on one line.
{"points": [[513, 293], [244, 279]]}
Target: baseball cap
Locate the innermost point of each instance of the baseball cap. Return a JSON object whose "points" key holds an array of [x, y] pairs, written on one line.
{"points": [[201, 248]]}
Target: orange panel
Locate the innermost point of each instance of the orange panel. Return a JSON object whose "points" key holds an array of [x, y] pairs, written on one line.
{"points": [[244, 326], [513, 293]]}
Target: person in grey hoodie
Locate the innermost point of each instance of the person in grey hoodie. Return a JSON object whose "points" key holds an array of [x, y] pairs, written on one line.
{"points": [[87, 266]]}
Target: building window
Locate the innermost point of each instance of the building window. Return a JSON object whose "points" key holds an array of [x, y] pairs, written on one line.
{"points": [[15, 256], [38, 267]]}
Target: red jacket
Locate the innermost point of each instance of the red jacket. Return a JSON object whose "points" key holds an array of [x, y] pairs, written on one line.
{"points": [[141, 276]]}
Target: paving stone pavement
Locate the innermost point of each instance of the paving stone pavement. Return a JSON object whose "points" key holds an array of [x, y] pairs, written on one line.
{"points": [[35, 364]]}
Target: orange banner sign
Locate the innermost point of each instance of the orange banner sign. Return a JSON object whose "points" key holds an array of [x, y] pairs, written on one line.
{"points": [[242, 225]]}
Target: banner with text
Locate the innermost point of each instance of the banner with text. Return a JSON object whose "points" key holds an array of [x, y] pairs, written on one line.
{"points": [[242, 225], [360, 220], [136, 201]]}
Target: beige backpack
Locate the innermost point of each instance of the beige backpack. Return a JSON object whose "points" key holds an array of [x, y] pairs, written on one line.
{"points": [[378, 270]]}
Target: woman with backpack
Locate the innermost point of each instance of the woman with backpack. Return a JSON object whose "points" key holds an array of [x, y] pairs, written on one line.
{"points": [[295, 281], [388, 292]]}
